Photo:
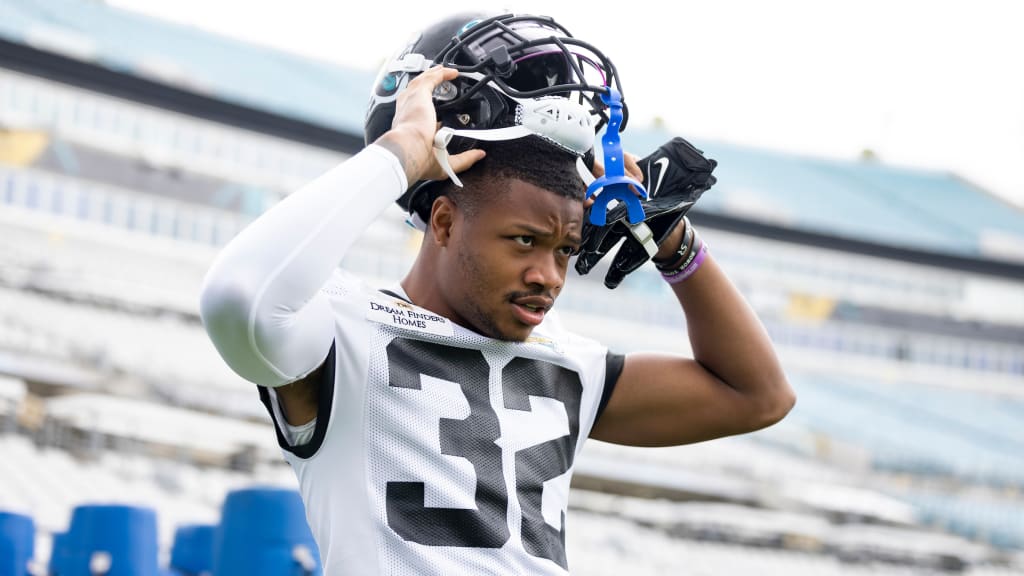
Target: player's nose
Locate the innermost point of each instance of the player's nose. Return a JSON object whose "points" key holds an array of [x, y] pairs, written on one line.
{"points": [[545, 272]]}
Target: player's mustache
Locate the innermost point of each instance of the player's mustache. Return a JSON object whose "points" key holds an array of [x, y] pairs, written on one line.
{"points": [[524, 294]]}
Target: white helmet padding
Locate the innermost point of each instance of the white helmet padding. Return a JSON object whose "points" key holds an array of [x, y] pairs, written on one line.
{"points": [[560, 121]]}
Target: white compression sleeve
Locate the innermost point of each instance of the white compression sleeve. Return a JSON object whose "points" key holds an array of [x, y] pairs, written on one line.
{"points": [[261, 303]]}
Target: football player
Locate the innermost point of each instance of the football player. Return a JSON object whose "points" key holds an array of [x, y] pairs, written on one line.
{"points": [[433, 424]]}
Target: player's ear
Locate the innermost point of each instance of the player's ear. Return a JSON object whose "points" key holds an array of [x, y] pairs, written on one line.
{"points": [[442, 216]]}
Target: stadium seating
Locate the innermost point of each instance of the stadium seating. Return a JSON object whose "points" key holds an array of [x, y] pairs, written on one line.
{"points": [[218, 66], [907, 208], [162, 139], [17, 543], [602, 544], [916, 429], [119, 540], [999, 522], [264, 531], [938, 197], [193, 549], [631, 532], [110, 539]]}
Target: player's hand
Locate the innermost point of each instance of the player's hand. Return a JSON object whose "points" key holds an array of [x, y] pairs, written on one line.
{"points": [[411, 137], [677, 174]]}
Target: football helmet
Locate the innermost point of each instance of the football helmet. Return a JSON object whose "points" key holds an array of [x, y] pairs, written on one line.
{"points": [[518, 75]]}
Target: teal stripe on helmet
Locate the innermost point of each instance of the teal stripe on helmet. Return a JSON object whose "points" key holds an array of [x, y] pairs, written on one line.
{"points": [[467, 26]]}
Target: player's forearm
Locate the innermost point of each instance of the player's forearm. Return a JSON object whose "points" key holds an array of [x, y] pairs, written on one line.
{"points": [[729, 341], [260, 301]]}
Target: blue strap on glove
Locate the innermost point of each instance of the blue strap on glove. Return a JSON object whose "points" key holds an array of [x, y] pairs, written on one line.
{"points": [[614, 185], [679, 173]]}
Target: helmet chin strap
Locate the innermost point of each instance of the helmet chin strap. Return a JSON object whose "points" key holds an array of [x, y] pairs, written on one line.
{"points": [[558, 120], [444, 137]]}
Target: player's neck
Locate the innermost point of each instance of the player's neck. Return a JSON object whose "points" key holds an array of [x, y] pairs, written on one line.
{"points": [[421, 288]]}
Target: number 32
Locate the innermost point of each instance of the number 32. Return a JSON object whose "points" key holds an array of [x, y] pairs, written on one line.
{"points": [[473, 438]]}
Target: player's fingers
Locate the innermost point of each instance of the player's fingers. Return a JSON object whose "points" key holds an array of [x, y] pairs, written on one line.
{"points": [[418, 95], [597, 170], [463, 161], [459, 163], [599, 242], [633, 167], [433, 77]]}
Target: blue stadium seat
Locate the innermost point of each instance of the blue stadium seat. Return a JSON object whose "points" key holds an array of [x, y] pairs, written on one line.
{"points": [[1001, 523], [263, 532], [918, 429], [192, 552], [17, 543], [59, 557], [123, 537]]}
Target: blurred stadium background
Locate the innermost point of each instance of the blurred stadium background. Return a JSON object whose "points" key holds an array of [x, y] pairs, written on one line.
{"points": [[132, 149]]}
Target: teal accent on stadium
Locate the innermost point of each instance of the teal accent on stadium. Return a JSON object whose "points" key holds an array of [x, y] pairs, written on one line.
{"points": [[914, 208], [931, 432], [192, 59], [917, 209]]}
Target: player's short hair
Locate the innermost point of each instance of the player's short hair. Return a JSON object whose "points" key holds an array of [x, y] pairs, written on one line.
{"points": [[530, 159]]}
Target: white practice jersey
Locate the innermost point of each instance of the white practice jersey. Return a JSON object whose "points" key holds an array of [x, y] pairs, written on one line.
{"points": [[439, 451]]}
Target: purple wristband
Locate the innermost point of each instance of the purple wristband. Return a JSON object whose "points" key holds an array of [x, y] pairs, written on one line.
{"points": [[692, 267]]}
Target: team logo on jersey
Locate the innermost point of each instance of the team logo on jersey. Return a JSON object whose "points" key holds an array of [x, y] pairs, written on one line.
{"points": [[546, 342], [404, 315]]}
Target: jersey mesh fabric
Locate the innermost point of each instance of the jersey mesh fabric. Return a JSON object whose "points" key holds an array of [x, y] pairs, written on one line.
{"points": [[467, 442]]}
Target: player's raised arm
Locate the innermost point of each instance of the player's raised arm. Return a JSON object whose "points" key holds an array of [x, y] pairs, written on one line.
{"points": [[260, 302], [734, 383]]}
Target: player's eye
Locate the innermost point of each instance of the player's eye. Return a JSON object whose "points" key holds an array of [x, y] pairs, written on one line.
{"points": [[523, 240], [568, 250]]}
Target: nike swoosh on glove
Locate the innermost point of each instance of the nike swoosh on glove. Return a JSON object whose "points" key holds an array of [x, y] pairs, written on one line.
{"points": [[676, 175]]}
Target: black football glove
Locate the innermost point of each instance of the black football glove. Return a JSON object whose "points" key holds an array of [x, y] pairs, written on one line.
{"points": [[675, 175]]}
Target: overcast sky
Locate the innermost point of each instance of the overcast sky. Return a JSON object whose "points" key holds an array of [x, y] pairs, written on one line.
{"points": [[933, 84]]}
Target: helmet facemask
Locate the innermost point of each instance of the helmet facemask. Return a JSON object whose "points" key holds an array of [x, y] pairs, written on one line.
{"points": [[524, 56], [519, 75]]}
